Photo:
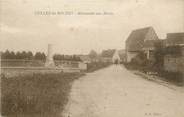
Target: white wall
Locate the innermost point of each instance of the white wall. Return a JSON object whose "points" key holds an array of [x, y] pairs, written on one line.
{"points": [[82, 66]]}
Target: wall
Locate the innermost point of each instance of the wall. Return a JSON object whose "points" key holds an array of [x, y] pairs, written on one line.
{"points": [[66, 64], [16, 71], [82, 66], [174, 64]]}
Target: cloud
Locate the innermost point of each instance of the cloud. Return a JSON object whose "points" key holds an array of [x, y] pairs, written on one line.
{"points": [[81, 33]]}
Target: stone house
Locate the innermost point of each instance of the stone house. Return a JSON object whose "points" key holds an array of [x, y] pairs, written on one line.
{"points": [[116, 57], [141, 40], [174, 57]]}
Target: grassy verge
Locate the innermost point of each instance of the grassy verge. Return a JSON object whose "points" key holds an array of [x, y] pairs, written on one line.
{"points": [[96, 66], [175, 78], [37, 95]]}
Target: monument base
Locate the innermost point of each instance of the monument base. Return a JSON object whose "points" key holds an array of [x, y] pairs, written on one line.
{"points": [[49, 64]]}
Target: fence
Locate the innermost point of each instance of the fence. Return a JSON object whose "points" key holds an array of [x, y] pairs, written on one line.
{"points": [[36, 63], [64, 63], [21, 63], [16, 67]]}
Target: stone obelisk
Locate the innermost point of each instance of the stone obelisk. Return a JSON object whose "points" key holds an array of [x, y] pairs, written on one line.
{"points": [[49, 59]]}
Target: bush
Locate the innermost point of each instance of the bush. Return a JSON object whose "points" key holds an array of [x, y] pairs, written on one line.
{"points": [[140, 59], [36, 94], [174, 77], [140, 62]]}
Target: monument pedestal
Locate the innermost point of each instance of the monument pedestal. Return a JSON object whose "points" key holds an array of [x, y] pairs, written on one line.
{"points": [[49, 63]]}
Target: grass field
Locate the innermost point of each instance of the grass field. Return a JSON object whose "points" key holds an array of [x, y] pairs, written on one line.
{"points": [[37, 95]]}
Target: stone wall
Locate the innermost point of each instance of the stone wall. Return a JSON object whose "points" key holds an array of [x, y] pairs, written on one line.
{"points": [[174, 64]]}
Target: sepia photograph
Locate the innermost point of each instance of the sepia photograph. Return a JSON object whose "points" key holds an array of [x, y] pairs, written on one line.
{"points": [[91, 58]]}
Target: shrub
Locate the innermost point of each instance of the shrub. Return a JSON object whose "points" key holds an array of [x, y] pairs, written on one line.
{"points": [[174, 77]]}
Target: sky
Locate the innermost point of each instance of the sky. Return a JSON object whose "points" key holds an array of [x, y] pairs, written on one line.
{"points": [[23, 27]]}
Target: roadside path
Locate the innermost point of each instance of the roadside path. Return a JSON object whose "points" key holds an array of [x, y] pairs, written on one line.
{"points": [[117, 92]]}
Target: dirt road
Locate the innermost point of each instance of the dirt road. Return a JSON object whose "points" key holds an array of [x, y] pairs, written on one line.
{"points": [[116, 92]]}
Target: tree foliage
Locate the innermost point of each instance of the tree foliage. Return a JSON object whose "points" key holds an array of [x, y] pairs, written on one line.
{"points": [[108, 53], [140, 59], [18, 55], [40, 56], [37, 56], [22, 55], [93, 54]]}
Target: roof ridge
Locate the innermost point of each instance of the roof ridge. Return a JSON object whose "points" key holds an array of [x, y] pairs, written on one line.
{"points": [[143, 28]]}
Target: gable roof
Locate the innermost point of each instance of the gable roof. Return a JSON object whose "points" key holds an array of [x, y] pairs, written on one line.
{"points": [[135, 41]]}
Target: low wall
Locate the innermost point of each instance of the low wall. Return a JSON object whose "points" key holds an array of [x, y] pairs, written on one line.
{"points": [[16, 71]]}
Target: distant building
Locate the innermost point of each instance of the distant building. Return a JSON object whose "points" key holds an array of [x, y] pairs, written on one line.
{"points": [[149, 48], [174, 39], [122, 55], [116, 57], [141, 40], [174, 57], [85, 58]]}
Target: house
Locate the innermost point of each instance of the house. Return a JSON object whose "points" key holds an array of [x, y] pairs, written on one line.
{"points": [[140, 40], [122, 55], [174, 53], [150, 46], [116, 57]]}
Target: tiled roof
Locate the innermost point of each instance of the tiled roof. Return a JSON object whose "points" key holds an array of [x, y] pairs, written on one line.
{"points": [[136, 39]]}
